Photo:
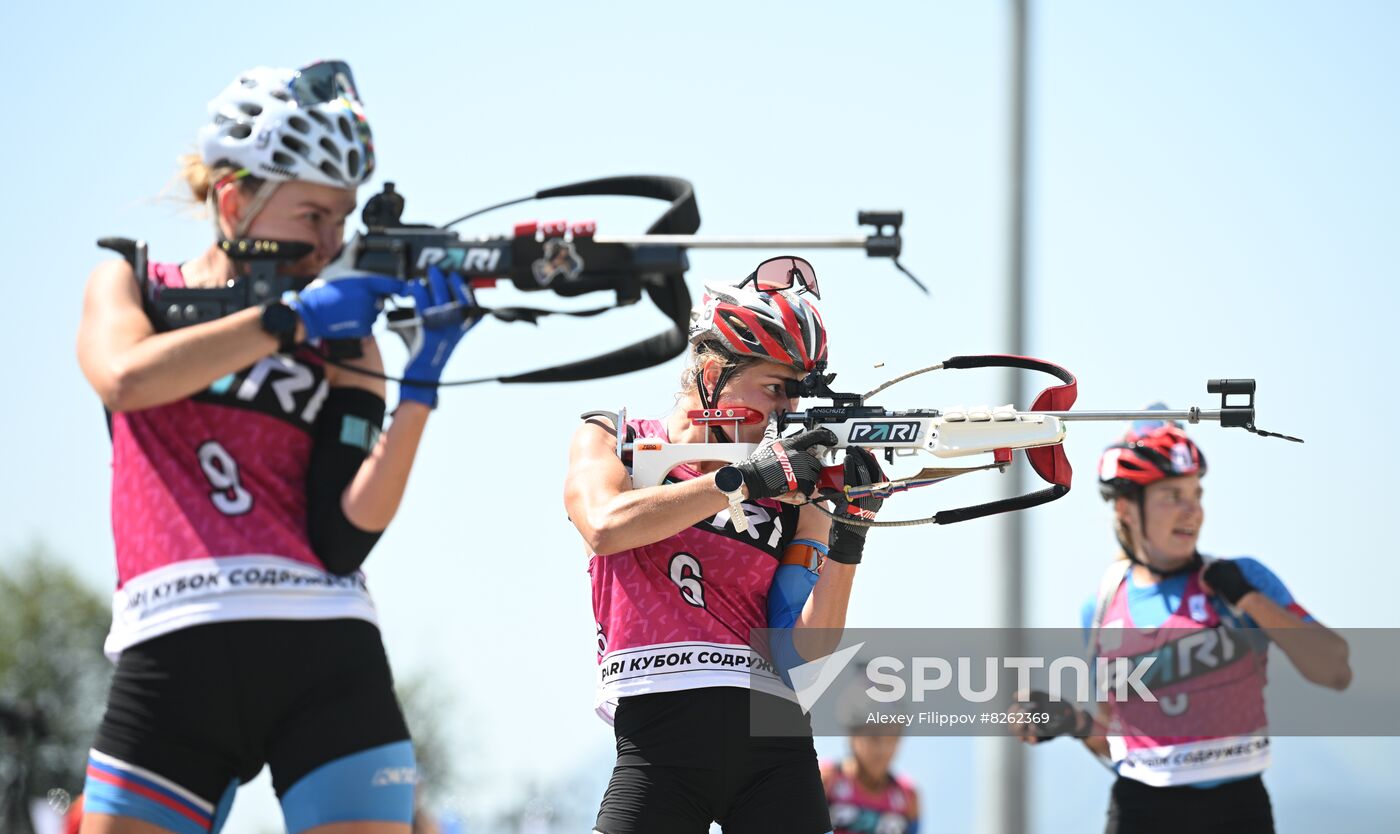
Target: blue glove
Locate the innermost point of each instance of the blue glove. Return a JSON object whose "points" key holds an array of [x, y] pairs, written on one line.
{"points": [[343, 308], [442, 305]]}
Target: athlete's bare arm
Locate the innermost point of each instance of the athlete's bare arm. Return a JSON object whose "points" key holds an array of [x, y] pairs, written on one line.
{"points": [[613, 517], [1096, 741], [132, 367], [1320, 654]]}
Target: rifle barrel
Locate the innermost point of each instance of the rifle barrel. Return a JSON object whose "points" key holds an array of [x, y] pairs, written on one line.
{"points": [[1192, 415]]}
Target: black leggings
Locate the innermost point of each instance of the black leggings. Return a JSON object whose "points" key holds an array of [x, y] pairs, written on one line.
{"points": [[687, 758], [212, 703], [1240, 807]]}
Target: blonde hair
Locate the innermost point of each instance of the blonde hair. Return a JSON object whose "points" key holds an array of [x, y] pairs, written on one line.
{"points": [[201, 177], [706, 353]]}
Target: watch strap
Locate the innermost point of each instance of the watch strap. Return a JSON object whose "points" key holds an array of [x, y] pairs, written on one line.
{"points": [[737, 515], [281, 323]]}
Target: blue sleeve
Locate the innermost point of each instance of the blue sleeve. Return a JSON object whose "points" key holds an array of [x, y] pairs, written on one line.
{"points": [[792, 584], [1271, 586]]}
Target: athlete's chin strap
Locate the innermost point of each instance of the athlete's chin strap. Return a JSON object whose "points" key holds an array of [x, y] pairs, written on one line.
{"points": [[710, 399], [261, 195], [259, 201]]}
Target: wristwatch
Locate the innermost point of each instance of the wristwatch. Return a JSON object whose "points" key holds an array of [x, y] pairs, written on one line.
{"points": [[281, 321], [731, 482]]}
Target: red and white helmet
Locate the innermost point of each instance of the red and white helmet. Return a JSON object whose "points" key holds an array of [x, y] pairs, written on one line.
{"points": [[777, 326], [1151, 451]]}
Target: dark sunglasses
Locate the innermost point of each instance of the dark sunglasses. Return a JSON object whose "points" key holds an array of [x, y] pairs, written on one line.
{"points": [[324, 81], [784, 273]]}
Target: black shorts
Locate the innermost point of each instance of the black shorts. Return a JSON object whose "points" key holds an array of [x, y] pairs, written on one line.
{"points": [[207, 705], [686, 759], [1240, 807]]}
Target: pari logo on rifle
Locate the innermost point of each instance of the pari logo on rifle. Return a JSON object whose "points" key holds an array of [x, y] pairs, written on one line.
{"points": [[896, 431], [460, 259]]}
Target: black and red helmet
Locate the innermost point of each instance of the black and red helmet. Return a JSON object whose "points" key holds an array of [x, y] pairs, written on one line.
{"points": [[1151, 451], [777, 326]]}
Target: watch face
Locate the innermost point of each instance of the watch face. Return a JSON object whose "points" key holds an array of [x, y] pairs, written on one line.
{"points": [[729, 479]]}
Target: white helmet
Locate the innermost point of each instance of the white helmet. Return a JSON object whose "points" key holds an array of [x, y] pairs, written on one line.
{"points": [[284, 124]]}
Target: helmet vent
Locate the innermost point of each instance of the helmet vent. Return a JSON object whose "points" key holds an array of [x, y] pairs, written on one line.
{"points": [[741, 328], [295, 144], [262, 122]]}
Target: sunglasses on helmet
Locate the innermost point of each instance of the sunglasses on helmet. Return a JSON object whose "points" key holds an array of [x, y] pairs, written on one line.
{"points": [[784, 273], [324, 81]]}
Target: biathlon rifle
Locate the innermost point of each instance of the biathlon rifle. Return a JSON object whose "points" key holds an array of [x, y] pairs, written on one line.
{"points": [[991, 433], [572, 259], [566, 259]]}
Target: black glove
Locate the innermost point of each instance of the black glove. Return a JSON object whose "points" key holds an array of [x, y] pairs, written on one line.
{"points": [[1226, 579], [848, 540], [785, 465], [1065, 718]]}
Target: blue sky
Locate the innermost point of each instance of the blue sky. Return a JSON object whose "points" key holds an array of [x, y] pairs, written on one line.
{"points": [[1211, 195]]}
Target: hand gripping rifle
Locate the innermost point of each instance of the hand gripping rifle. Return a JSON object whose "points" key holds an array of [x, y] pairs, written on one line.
{"points": [[957, 432]]}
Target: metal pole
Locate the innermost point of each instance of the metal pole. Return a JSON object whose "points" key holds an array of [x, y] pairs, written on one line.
{"points": [[1002, 772]]}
